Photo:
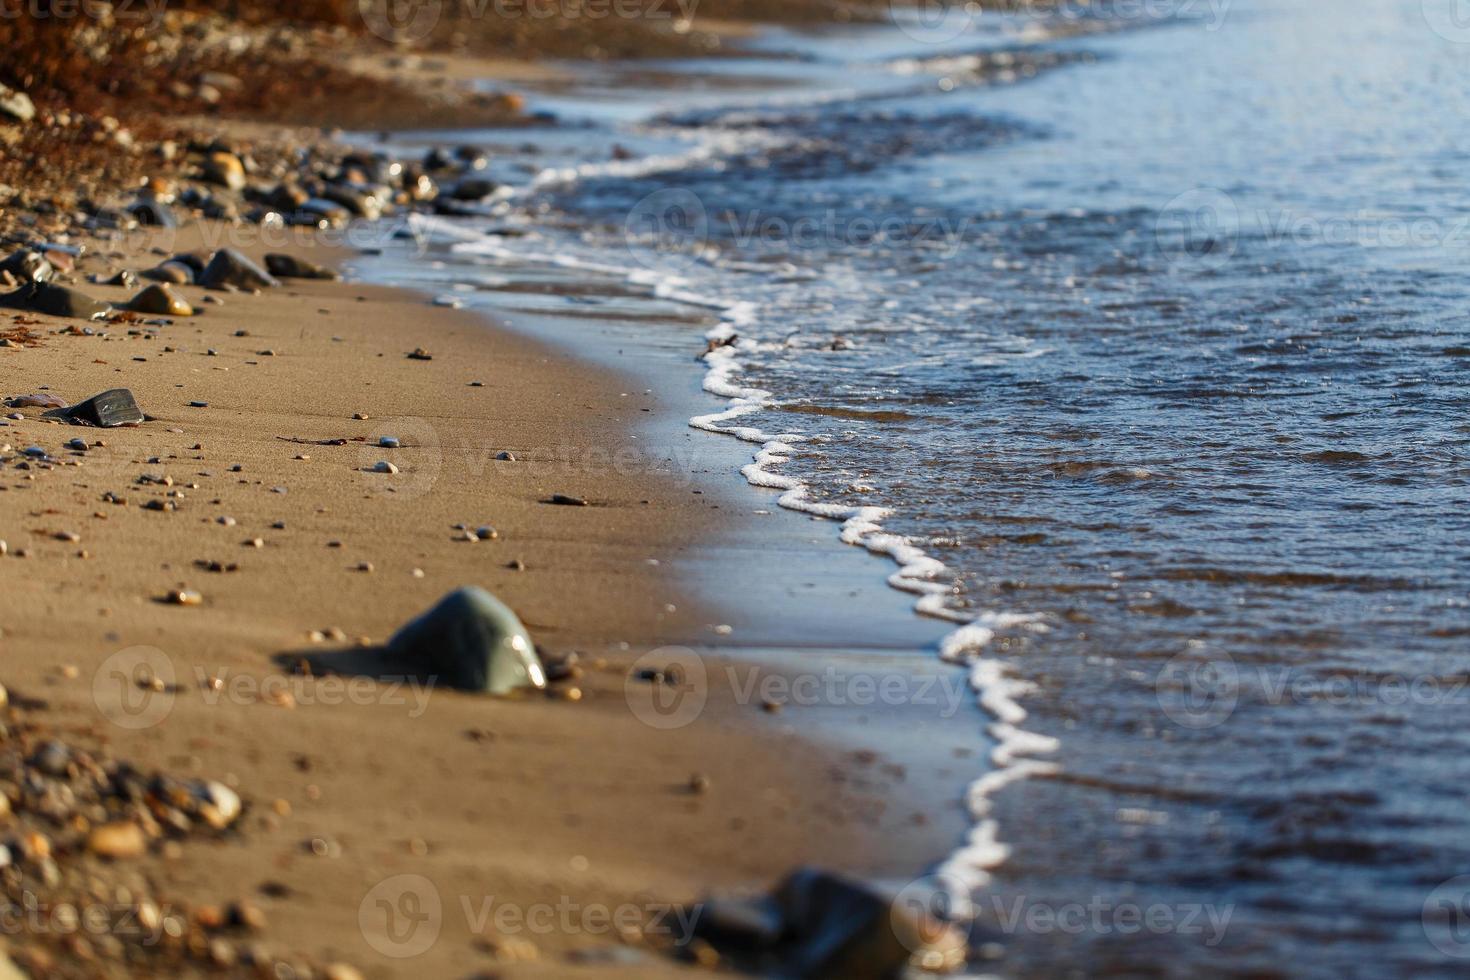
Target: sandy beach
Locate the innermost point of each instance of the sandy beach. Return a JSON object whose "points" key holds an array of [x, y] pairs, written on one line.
{"points": [[534, 803]]}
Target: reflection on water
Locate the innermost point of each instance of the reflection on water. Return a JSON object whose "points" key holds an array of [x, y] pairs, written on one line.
{"points": [[1163, 334]]}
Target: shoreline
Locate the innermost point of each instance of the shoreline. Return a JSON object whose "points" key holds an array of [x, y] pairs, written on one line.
{"points": [[318, 744]]}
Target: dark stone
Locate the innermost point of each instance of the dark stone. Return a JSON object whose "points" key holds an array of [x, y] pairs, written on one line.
{"points": [[230, 268], [28, 265], [149, 211], [822, 925], [171, 272], [470, 641], [566, 500], [106, 410], [361, 204], [290, 267], [437, 159], [473, 189], [196, 261], [48, 298]]}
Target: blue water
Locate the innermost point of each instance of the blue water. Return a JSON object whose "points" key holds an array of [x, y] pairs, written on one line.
{"points": [[1157, 332]]}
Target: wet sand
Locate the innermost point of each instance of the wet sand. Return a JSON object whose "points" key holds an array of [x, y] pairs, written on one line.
{"points": [[533, 804]]}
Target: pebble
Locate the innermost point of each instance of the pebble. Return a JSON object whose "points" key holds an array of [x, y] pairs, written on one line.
{"points": [[38, 400], [419, 354], [486, 533], [159, 300], [80, 445], [565, 500], [383, 466], [118, 840], [388, 442], [185, 597], [505, 457]]}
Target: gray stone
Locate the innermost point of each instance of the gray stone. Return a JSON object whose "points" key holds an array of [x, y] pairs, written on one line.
{"points": [[471, 641], [150, 211], [822, 925], [106, 410], [230, 268], [171, 272], [45, 297], [28, 265], [473, 189], [290, 267]]}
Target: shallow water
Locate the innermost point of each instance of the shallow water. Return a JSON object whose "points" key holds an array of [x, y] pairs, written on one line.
{"points": [[1155, 335]]}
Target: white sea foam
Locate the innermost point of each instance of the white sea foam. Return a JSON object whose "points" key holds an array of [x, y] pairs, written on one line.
{"points": [[999, 693], [1014, 750]]}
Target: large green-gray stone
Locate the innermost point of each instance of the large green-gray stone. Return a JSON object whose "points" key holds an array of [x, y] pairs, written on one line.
{"points": [[229, 268], [471, 641], [45, 297]]}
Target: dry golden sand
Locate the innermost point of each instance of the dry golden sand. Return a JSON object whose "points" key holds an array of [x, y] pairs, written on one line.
{"points": [[545, 806]]}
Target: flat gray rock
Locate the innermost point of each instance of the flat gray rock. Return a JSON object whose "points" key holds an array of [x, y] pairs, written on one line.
{"points": [[290, 267], [230, 268], [110, 408], [45, 297]]}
